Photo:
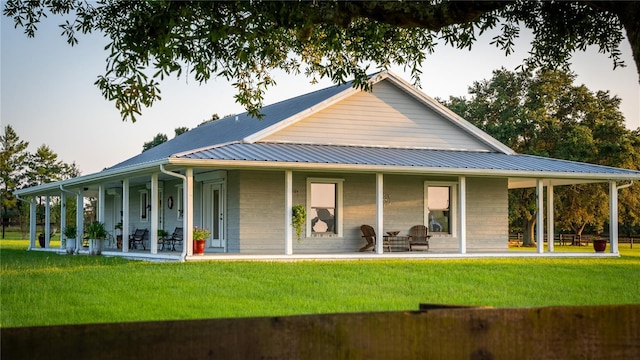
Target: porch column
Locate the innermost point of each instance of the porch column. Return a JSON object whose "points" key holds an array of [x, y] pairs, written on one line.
{"points": [[379, 212], [462, 205], [101, 201], [188, 211], [550, 217], [32, 223], [288, 212], [153, 237], [100, 215], [125, 215], [79, 220], [540, 216], [613, 217], [63, 218], [47, 221]]}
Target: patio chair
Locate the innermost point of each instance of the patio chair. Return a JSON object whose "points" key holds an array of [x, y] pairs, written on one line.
{"points": [[176, 237], [370, 236], [137, 237], [418, 236]]}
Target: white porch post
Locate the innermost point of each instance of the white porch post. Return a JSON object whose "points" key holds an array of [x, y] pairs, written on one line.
{"points": [[550, 217], [63, 218], [47, 221], [32, 223], [379, 212], [188, 209], [125, 215], [79, 220], [540, 216], [462, 205], [101, 201], [613, 217], [288, 212], [153, 237]]}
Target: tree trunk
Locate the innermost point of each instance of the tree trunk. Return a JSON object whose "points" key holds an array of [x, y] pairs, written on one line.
{"points": [[528, 225], [628, 12]]}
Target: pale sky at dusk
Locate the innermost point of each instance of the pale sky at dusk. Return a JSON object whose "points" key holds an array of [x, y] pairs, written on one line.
{"points": [[48, 97]]}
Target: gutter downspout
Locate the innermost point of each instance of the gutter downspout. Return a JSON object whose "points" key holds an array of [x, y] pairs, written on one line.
{"points": [[183, 255], [624, 186], [32, 229]]}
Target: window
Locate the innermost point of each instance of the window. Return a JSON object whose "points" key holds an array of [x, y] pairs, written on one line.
{"points": [[324, 207], [439, 212], [144, 205]]}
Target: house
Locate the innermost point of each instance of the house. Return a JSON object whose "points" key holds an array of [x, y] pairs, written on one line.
{"points": [[391, 158]]}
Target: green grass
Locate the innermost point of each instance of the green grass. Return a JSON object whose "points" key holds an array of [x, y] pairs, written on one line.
{"points": [[39, 288]]}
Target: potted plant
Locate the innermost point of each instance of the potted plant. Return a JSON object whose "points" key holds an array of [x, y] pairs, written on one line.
{"points": [[97, 233], [70, 233], [599, 245], [298, 219], [199, 239], [119, 236]]}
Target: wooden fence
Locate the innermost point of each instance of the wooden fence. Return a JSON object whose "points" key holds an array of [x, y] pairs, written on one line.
{"points": [[584, 332]]}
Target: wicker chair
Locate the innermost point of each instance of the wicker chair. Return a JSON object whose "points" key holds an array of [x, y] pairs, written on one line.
{"points": [[418, 236]]}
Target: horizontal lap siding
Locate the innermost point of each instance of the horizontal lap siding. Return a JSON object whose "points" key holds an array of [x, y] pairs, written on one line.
{"points": [[256, 213], [385, 117], [261, 210], [487, 214]]}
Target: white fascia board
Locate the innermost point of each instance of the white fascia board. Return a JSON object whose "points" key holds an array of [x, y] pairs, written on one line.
{"points": [[257, 165], [104, 175], [450, 115]]}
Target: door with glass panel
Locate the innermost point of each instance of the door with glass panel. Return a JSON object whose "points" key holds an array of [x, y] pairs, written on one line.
{"points": [[214, 214]]}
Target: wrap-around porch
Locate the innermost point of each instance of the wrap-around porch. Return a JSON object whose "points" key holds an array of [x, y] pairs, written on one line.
{"points": [[193, 211]]}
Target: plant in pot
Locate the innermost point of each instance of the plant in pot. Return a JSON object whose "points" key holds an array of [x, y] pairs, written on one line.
{"points": [[599, 245], [298, 219], [70, 233], [199, 240], [97, 233], [41, 240], [119, 236]]}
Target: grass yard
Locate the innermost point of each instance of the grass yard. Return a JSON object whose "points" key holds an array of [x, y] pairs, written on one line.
{"points": [[39, 288]]}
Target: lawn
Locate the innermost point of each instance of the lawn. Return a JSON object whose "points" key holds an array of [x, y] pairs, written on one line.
{"points": [[39, 288]]}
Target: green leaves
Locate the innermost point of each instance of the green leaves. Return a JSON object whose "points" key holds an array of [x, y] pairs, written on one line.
{"points": [[244, 42]]}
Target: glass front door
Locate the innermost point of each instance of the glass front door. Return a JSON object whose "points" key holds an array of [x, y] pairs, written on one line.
{"points": [[214, 214]]}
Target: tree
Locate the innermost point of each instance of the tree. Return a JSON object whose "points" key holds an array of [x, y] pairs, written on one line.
{"points": [[162, 138], [545, 114], [244, 41], [157, 140], [12, 171]]}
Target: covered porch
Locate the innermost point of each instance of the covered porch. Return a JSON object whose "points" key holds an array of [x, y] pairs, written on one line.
{"points": [[187, 186]]}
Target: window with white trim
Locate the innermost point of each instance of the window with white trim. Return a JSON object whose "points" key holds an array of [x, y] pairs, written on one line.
{"points": [[440, 201], [324, 207]]}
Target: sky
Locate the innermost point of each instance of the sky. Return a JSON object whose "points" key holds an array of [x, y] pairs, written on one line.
{"points": [[48, 95]]}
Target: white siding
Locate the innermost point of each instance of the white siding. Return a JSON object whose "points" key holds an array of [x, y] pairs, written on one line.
{"points": [[385, 117]]}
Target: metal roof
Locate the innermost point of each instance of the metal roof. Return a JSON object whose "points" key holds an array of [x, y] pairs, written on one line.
{"points": [[233, 128], [400, 158]]}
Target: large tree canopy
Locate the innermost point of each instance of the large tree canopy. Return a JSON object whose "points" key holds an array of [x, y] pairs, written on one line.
{"points": [[544, 113], [244, 41]]}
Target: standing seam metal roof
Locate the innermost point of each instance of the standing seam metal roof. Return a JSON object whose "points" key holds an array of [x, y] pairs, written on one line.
{"points": [[399, 157]]}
